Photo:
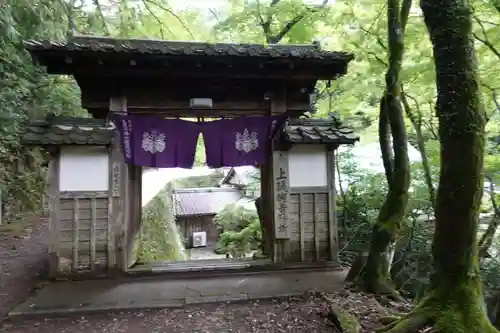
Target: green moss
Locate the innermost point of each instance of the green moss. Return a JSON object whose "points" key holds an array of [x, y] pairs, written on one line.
{"points": [[347, 321], [448, 309], [16, 227], [159, 239]]}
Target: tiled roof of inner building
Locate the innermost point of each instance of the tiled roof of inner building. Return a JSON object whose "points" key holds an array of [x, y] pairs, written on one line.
{"points": [[203, 201], [68, 131], [177, 48], [329, 130]]}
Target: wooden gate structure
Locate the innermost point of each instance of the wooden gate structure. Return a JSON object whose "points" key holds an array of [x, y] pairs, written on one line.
{"points": [[94, 197]]}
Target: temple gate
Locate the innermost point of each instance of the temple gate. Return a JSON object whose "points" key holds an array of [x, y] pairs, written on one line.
{"points": [[94, 224]]}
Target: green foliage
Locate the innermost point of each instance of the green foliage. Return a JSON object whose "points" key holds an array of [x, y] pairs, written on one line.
{"points": [[27, 93], [359, 205], [199, 181], [159, 237], [240, 231], [361, 195]]}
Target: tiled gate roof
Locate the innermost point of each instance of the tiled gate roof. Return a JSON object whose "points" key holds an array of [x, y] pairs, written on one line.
{"points": [[203, 201], [180, 48], [326, 131], [57, 130]]}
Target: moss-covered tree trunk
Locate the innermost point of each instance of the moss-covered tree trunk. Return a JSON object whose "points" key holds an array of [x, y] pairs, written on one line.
{"points": [[374, 276], [454, 300]]}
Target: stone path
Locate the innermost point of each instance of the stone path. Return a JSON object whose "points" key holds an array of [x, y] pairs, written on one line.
{"points": [[61, 298]]}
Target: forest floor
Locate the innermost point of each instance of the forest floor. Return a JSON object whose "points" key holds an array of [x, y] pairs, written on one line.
{"points": [[23, 264], [23, 260], [295, 314]]}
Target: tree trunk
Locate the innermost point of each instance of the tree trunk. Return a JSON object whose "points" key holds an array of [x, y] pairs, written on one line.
{"points": [[416, 121], [454, 302], [375, 277], [486, 240], [488, 237]]}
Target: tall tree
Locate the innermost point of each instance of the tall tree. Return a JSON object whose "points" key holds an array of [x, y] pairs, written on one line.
{"points": [[375, 277], [454, 299]]}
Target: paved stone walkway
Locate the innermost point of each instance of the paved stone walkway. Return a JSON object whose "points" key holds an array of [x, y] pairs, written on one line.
{"points": [[61, 298]]}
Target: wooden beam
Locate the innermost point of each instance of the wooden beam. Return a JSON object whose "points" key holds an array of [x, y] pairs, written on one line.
{"points": [[161, 101], [332, 206], [93, 223], [316, 226], [118, 217], [301, 227], [76, 234], [276, 71], [118, 104], [281, 191], [193, 113], [54, 201], [280, 196]]}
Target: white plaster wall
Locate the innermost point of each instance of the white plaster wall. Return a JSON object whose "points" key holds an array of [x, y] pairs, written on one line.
{"points": [[84, 169], [307, 166]]}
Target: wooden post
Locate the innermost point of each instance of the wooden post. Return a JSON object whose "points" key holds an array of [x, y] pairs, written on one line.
{"points": [[278, 106], [76, 234], [93, 222], [118, 217], [301, 226], [281, 192], [332, 206], [316, 226], [281, 202], [53, 198]]}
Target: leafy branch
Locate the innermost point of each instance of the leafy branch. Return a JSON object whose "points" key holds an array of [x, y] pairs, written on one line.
{"points": [[487, 238], [171, 12], [484, 39], [100, 12], [266, 23], [157, 19]]}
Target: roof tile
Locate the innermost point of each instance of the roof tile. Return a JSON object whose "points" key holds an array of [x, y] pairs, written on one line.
{"points": [[172, 48], [57, 130], [329, 130], [204, 201]]}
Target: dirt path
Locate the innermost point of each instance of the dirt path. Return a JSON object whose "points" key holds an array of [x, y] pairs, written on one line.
{"points": [[23, 261], [293, 315]]}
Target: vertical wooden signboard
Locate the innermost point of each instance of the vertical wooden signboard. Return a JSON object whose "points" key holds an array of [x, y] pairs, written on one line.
{"points": [[281, 191]]}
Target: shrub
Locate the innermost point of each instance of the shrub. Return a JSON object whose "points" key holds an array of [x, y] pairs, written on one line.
{"points": [[240, 231]]}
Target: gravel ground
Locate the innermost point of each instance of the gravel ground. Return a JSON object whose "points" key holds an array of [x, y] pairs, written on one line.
{"points": [[292, 315], [297, 314], [23, 262]]}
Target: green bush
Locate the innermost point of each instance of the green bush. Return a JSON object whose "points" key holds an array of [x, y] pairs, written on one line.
{"points": [[240, 231], [358, 206]]}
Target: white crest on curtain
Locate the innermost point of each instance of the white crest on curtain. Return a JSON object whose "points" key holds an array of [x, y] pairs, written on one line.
{"points": [[246, 141], [153, 142]]}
